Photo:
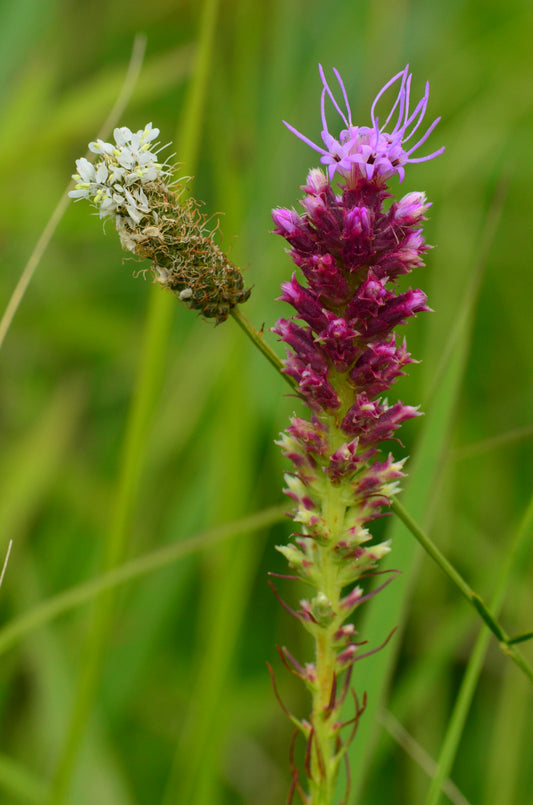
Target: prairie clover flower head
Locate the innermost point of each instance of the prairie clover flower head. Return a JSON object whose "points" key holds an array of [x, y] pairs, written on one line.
{"points": [[350, 244], [128, 182], [379, 150]]}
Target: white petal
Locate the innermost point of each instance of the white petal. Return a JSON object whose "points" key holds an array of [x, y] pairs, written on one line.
{"points": [[129, 198], [141, 195], [107, 207], [85, 169], [150, 174], [134, 214], [117, 174], [131, 179], [100, 147], [122, 136], [101, 173], [79, 193], [126, 159], [135, 142], [149, 133]]}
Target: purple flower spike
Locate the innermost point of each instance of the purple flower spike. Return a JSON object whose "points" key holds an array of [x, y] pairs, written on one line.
{"points": [[375, 152], [351, 246]]}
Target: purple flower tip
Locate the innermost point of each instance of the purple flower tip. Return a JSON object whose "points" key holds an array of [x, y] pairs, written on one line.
{"points": [[378, 151]]}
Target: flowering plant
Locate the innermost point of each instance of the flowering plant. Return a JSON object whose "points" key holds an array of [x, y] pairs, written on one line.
{"points": [[154, 221], [351, 243], [351, 246]]}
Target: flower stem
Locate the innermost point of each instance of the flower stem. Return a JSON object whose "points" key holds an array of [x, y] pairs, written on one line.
{"points": [[257, 338], [503, 638], [324, 763], [463, 702], [326, 750]]}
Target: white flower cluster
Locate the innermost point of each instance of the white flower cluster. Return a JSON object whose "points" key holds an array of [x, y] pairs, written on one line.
{"points": [[114, 183]]}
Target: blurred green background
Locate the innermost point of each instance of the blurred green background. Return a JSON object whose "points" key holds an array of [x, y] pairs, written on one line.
{"points": [[179, 701]]}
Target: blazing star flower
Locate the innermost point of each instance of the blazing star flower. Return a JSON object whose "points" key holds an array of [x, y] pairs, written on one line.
{"points": [[344, 355], [371, 150]]}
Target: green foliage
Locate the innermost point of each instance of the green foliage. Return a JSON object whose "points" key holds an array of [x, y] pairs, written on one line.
{"points": [[129, 424]]}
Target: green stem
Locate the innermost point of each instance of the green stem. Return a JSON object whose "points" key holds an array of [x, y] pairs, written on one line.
{"points": [[324, 764], [324, 761], [473, 599], [137, 429], [325, 750], [134, 68], [258, 340]]}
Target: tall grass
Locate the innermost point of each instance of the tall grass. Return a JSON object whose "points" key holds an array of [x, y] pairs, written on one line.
{"points": [[179, 708]]}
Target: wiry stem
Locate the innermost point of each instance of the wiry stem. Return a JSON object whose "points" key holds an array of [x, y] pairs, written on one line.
{"points": [[505, 641], [258, 340], [134, 67]]}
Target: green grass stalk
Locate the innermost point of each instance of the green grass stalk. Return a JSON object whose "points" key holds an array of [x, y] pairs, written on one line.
{"points": [[21, 784], [487, 614], [130, 80], [65, 602], [457, 721], [145, 395]]}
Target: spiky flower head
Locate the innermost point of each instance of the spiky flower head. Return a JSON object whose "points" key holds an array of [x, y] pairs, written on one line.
{"points": [[156, 221]]}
